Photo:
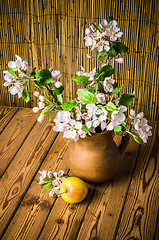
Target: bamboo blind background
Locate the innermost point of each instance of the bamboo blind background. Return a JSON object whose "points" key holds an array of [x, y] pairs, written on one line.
{"points": [[50, 33]]}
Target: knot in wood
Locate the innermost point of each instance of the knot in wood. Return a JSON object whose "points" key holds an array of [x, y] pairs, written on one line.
{"points": [[15, 190], [59, 221], [45, 204], [72, 208]]}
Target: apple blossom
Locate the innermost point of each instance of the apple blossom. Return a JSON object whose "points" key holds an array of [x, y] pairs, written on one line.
{"points": [[58, 84], [35, 109], [102, 44], [56, 74], [100, 97], [108, 87], [104, 23], [36, 94], [88, 31], [41, 98], [89, 55], [41, 105], [40, 118], [119, 60]]}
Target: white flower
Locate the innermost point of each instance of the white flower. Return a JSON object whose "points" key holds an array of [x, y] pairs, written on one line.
{"points": [[117, 117], [102, 44], [51, 193], [92, 108], [104, 23], [100, 97], [108, 87], [90, 42], [91, 74], [63, 116], [56, 74]]}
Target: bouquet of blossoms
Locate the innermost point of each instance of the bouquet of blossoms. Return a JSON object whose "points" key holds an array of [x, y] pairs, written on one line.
{"points": [[97, 106]]}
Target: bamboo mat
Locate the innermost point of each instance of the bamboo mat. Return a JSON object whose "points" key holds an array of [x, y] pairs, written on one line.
{"points": [[50, 33]]}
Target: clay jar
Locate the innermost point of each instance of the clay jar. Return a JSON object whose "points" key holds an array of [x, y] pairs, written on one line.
{"points": [[94, 158]]}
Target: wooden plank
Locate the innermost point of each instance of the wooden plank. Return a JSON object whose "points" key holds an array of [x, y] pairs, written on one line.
{"points": [[65, 220], [104, 210], [35, 207], [140, 211], [17, 178], [6, 114], [14, 135]]}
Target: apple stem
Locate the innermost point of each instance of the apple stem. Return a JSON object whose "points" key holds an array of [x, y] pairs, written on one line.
{"points": [[63, 192]]}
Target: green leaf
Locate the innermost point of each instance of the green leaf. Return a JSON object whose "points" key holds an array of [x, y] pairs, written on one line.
{"points": [[117, 90], [106, 71], [97, 28], [43, 77], [130, 126], [25, 95], [33, 72], [45, 110], [120, 47], [67, 106], [102, 53], [65, 175], [126, 99], [85, 128], [114, 85], [138, 139], [120, 133], [38, 86], [12, 72], [118, 128], [109, 19], [82, 80], [101, 89], [100, 106], [59, 98], [111, 107], [58, 91], [47, 187], [50, 117], [86, 96], [22, 73], [91, 89], [111, 52], [47, 180]]}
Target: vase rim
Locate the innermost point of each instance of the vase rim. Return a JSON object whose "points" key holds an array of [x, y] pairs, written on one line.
{"points": [[100, 133]]}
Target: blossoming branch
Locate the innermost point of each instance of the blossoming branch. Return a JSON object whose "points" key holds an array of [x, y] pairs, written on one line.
{"points": [[97, 106]]}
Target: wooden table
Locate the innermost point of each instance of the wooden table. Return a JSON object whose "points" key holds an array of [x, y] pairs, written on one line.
{"points": [[123, 208]]}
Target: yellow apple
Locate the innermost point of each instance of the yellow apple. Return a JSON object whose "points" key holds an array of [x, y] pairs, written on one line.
{"points": [[73, 190]]}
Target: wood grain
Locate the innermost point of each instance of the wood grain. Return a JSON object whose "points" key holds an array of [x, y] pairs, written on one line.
{"points": [[17, 178], [140, 211], [6, 114], [51, 33], [104, 210], [14, 135]]}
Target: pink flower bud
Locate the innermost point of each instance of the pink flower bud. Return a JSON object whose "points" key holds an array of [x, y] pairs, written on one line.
{"points": [[36, 94], [35, 109], [92, 27], [51, 69], [88, 55], [58, 84], [41, 98], [41, 105], [40, 118], [119, 60]]}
